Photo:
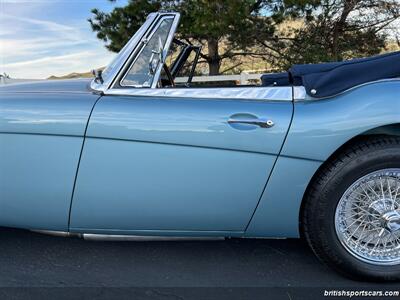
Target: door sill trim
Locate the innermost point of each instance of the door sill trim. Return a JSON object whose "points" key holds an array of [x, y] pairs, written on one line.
{"points": [[127, 237]]}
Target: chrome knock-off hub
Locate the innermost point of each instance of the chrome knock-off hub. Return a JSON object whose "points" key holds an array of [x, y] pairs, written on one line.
{"points": [[392, 220], [367, 218]]}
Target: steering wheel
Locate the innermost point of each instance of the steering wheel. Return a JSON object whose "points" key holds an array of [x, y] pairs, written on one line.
{"points": [[169, 76]]}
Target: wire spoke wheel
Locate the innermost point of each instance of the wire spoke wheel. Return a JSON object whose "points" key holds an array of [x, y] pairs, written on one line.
{"points": [[367, 218]]}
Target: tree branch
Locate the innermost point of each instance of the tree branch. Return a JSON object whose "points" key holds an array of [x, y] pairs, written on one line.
{"points": [[231, 68]]}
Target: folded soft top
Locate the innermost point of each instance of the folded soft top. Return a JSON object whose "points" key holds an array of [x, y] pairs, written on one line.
{"points": [[328, 79]]}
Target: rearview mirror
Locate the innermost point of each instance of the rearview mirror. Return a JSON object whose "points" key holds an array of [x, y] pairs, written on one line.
{"points": [[156, 57]]}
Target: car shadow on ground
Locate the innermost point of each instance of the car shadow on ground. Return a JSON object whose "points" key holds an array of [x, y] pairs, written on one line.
{"points": [[32, 259]]}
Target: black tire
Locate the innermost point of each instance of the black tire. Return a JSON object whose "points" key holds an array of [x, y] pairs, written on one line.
{"points": [[318, 212]]}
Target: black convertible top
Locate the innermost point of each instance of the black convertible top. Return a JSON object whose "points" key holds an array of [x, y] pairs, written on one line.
{"points": [[328, 79]]}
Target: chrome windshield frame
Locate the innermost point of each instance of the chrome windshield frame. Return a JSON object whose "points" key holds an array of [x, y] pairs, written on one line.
{"points": [[124, 56], [167, 44]]}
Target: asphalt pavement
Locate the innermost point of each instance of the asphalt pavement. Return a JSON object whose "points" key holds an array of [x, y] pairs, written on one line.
{"points": [[33, 264]]}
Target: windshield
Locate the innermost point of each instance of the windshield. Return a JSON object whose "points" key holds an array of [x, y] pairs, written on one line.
{"points": [[118, 60], [140, 74]]}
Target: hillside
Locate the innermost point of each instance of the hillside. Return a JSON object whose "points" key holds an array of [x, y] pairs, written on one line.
{"points": [[72, 75]]}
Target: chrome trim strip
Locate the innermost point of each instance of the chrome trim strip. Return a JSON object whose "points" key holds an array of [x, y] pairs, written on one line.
{"points": [[249, 93], [117, 237], [141, 238], [58, 233], [299, 93]]}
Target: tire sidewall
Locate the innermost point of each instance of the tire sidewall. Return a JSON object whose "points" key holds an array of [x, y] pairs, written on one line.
{"points": [[329, 197]]}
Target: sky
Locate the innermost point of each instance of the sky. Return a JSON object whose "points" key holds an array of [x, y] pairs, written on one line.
{"points": [[40, 38]]}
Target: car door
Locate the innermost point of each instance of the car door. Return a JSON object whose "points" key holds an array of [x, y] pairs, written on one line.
{"points": [[177, 160], [155, 163]]}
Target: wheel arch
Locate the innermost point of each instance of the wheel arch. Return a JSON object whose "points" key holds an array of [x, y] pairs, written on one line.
{"points": [[384, 130]]}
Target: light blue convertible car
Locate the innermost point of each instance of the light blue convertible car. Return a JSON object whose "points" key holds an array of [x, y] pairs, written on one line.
{"points": [[313, 153]]}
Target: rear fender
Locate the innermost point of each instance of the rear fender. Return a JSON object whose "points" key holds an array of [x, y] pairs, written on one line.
{"points": [[319, 128]]}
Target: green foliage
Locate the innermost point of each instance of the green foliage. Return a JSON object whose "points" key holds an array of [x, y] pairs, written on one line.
{"points": [[227, 28], [118, 26], [236, 23], [338, 29], [329, 29]]}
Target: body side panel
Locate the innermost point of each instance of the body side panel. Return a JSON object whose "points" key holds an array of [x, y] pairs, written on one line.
{"points": [[49, 86], [129, 185], [320, 127], [37, 173], [277, 214], [45, 113], [41, 137]]}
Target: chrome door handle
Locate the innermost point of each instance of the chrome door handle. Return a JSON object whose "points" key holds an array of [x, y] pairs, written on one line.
{"points": [[258, 122]]}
